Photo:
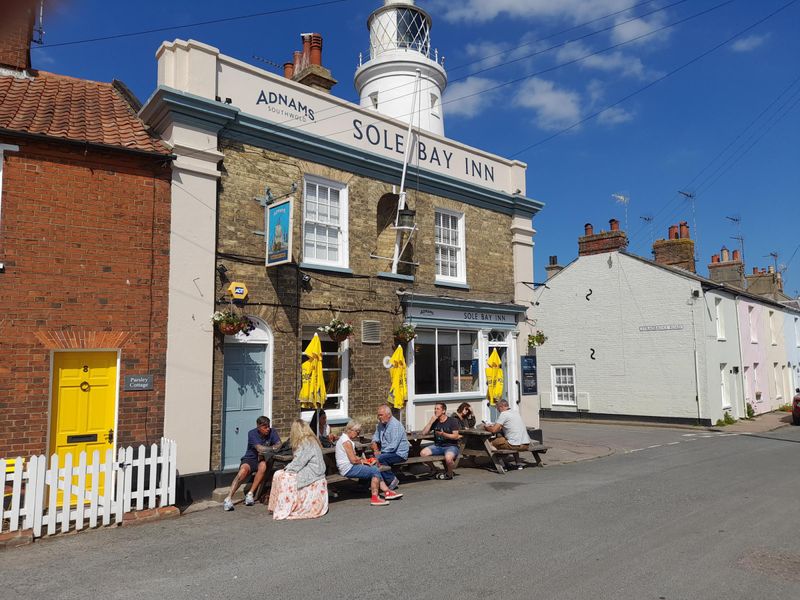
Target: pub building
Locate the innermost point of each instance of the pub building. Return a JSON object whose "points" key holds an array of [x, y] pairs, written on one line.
{"points": [[325, 209]]}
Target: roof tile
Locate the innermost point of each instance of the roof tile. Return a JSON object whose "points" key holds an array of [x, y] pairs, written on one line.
{"points": [[75, 109]]}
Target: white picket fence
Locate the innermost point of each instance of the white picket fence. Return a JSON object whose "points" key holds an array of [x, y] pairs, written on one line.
{"points": [[56, 498]]}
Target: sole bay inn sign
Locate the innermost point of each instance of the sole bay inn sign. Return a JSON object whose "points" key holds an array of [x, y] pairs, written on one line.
{"points": [[461, 316], [283, 102]]}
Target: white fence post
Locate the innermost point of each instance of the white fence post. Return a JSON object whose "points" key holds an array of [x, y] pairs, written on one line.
{"points": [[54, 494]]}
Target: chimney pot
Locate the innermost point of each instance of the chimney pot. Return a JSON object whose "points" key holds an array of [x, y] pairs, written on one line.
{"points": [[673, 232], [737, 257], [614, 225], [553, 260], [298, 61], [770, 269], [288, 70], [755, 270], [588, 229], [715, 259], [684, 228], [725, 254], [316, 49], [306, 37]]}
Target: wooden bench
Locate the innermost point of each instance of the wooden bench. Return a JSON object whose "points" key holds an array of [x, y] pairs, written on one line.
{"points": [[477, 443]]}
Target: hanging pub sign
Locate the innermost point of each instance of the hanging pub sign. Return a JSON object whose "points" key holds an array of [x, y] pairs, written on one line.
{"points": [[528, 371], [279, 233]]}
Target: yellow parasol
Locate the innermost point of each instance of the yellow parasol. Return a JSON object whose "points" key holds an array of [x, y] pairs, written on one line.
{"points": [[312, 392], [494, 377], [399, 391]]}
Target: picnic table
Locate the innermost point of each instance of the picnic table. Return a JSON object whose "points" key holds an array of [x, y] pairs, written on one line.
{"points": [[477, 443]]}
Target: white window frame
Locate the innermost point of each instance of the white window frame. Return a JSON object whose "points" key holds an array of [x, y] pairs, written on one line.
{"points": [[753, 333], [554, 385], [778, 383], [720, 319], [343, 227], [461, 263], [468, 394], [772, 339], [755, 383], [344, 378], [797, 332]]}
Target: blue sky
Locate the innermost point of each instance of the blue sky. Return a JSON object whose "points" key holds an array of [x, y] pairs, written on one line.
{"points": [[724, 127]]}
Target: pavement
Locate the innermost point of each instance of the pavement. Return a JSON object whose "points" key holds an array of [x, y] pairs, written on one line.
{"points": [[567, 445]]}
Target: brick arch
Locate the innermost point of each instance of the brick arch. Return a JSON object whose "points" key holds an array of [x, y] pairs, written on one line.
{"points": [[82, 340]]}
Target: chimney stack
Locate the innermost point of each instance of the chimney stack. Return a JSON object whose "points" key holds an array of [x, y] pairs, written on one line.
{"points": [[605, 241], [766, 282], [17, 20], [678, 250], [308, 68], [729, 270], [553, 267]]}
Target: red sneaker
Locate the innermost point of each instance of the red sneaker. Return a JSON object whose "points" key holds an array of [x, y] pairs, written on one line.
{"points": [[378, 501], [390, 495]]}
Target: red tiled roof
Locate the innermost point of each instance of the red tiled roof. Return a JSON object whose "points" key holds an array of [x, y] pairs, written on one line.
{"points": [[75, 109]]}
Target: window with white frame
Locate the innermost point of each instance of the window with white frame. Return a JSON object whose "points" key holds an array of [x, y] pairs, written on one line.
{"points": [[446, 362], [751, 325], [449, 236], [325, 231], [776, 380], [772, 339], [723, 388], [720, 318], [756, 391], [797, 332], [335, 368], [564, 385]]}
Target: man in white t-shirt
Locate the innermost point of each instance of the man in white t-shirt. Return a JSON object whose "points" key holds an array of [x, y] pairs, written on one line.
{"points": [[514, 434]]}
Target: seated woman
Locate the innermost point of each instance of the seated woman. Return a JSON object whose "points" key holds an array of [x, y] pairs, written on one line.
{"points": [[326, 438], [464, 416], [300, 490], [350, 465]]}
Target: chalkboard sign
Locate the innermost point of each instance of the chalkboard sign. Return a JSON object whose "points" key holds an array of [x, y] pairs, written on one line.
{"points": [[528, 371]]}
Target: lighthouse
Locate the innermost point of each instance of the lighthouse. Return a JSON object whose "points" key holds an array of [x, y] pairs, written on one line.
{"points": [[400, 51]]}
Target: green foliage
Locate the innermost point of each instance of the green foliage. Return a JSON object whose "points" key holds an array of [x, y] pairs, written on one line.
{"points": [[750, 411], [536, 339], [728, 418], [785, 407]]}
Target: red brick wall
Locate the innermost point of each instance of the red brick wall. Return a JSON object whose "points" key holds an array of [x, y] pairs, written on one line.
{"points": [[84, 235], [16, 30]]}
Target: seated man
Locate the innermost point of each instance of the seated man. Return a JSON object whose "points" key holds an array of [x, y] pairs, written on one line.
{"points": [[445, 439], [389, 442], [509, 423], [261, 443]]}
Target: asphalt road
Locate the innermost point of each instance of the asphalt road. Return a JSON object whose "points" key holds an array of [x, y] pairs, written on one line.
{"points": [[715, 517]]}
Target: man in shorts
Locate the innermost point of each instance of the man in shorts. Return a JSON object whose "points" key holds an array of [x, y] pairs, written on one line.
{"points": [[261, 443], [445, 439]]}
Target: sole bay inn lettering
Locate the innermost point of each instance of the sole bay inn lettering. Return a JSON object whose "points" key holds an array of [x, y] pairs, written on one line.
{"points": [[395, 142], [460, 315]]}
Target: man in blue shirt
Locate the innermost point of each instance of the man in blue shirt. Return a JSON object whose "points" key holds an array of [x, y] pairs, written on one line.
{"points": [[389, 443], [261, 443]]}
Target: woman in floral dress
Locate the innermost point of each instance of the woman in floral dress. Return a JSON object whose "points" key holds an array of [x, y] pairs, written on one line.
{"points": [[300, 490]]}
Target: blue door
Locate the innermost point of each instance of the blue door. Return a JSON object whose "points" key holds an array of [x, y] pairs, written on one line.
{"points": [[243, 397]]}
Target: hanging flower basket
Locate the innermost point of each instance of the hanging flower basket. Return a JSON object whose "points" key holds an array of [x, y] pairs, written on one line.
{"points": [[404, 334], [337, 330], [228, 322], [536, 339]]}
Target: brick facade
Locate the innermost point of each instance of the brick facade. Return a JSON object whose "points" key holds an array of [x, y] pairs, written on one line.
{"points": [[84, 235], [277, 296]]}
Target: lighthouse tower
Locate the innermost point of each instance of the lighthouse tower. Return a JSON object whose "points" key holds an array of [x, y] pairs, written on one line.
{"points": [[400, 46]]}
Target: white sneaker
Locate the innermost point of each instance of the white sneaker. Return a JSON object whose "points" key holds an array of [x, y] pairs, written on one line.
{"points": [[227, 504], [249, 500]]}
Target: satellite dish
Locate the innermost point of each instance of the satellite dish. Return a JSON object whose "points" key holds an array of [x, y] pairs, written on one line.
{"points": [[387, 362]]}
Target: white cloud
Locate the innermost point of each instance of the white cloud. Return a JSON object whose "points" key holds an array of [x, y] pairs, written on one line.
{"points": [[751, 42], [486, 10], [614, 116], [487, 54], [554, 108], [625, 64], [625, 32], [467, 98]]}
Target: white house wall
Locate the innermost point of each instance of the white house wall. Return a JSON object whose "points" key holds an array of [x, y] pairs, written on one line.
{"points": [[593, 313], [791, 334]]}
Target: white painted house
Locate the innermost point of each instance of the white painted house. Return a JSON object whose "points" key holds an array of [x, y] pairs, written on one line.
{"points": [[635, 338]]}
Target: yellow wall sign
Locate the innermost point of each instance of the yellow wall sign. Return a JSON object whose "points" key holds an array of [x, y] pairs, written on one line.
{"points": [[238, 291]]}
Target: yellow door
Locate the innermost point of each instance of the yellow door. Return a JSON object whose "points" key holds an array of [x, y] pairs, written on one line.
{"points": [[84, 403]]}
